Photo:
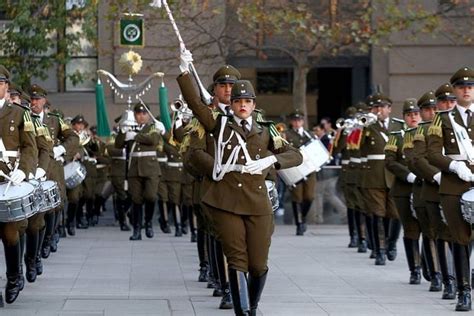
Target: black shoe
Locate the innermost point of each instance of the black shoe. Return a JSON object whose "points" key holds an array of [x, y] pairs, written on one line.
{"points": [[304, 227], [362, 248], [137, 234], [149, 230], [184, 229], [12, 288], [380, 258], [124, 227], [31, 272], [436, 284], [71, 231], [193, 237], [203, 274], [217, 292], [178, 232], [372, 254], [164, 226], [54, 244], [415, 276], [62, 232], [211, 283], [464, 301], [46, 248], [299, 230], [226, 301], [39, 266], [81, 225], [392, 252], [353, 243], [449, 293]]}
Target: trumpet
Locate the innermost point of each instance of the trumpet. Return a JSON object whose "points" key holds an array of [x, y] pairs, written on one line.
{"points": [[366, 119], [180, 107], [346, 123], [281, 127]]}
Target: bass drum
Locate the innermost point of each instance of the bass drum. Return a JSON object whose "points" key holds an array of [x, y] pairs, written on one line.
{"points": [[74, 174], [315, 155]]}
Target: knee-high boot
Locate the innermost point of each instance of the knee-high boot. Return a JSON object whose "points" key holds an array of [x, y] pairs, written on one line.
{"points": [[12, 258], [361, 232], [393, 234], [45, 244], [163, 220], [203, 256], [298, 218], [431, 256], [351, 225], [71, 219], [379, 238], [370, 235], [137, 216], [226, 301], [412, 250], [240, 292], [32, 245], [256, 285], [449, 292], [463, 276], [149, 211], [192, 223], [177, 218]]}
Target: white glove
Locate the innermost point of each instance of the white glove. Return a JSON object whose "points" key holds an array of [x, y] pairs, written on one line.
{"points": [[437, 178], [185, 58], [58, 151], [30, 176], [40, 173], [257, 166], [161, 127], [460, 168], [17, 176], [411, 178], [130, 135]]}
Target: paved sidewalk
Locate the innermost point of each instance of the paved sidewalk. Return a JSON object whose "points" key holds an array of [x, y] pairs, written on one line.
{"points": [[101, 272]]}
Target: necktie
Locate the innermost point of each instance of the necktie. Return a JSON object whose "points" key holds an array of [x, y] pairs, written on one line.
{"points": [[227, 111], [469, 117], [244, 124]]}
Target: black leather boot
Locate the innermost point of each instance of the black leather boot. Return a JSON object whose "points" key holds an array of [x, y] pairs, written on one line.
{"points": [[203, 273], [98, 202], [121, 215], [213, 274], [71, 219], [394, 232], [184, 219], [45, 244], [177, 219], [203, 256], [13, 260], [298, 220], [412, 251], [137, 222], [449, 291], [81, 222], [305, 207], [22, 253], [55, 239], [431, 256], [226, 301], [163, 220], [240, 293], [463, 274], [256, 285], [361, 232], [192, 223], [32, 245], [149, 211], [370, 235], [39, 263], [351, 225], [379, 238], [89, 213]]}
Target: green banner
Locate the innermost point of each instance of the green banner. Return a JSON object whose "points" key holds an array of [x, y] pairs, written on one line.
{"points": [[132, 32]]}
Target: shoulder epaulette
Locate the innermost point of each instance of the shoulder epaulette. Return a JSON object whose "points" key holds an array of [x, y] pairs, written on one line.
{"points": [[443, 111], [24, 107], [28, 125], [398, 120], [396, 132], [392, 143], [408, 140], [435, 128]]}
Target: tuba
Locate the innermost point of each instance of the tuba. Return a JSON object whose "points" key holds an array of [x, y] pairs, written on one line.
{"points": [[127, 121], [84, 137]]}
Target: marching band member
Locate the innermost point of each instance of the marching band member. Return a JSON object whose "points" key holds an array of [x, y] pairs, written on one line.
{"points": [[450, 149], [19, 155], [444, 100]]}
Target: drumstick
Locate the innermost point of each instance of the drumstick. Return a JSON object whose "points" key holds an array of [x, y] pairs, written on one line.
{"points": [[10, 182]]}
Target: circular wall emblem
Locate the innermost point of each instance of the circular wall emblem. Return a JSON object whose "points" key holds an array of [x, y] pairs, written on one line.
{"points": [[131, 32]]}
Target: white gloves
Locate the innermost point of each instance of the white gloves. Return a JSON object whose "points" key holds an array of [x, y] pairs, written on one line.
{"points": [[130, 135], [463, 172], [58, 151], [17, 176], [411, 178], [257, 166], [437, 178], [160, 127], [186, 58], [40, 173]]}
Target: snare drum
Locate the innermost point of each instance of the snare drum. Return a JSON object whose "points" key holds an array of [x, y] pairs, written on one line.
{"points": [[17, 203], [74, 174], [52, 197], [272, 194], [467, 206]]}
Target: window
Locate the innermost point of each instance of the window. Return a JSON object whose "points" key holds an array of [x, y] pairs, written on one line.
{"points": [[274, 81]]}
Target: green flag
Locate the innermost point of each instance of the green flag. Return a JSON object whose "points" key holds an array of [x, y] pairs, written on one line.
{"points": [[164, 111], [103, 129]]}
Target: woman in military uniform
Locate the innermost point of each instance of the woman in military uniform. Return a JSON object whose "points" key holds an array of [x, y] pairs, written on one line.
{"points": [[238, 198]]}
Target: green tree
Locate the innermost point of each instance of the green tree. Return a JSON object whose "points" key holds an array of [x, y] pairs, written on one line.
{"points": [[40, 35]]}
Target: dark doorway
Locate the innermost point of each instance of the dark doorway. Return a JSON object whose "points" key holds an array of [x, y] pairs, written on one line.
{"points": [[335, 92]]}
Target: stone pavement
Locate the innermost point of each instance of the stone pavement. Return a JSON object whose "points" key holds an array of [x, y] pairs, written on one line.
{"points": [[101, 272]]}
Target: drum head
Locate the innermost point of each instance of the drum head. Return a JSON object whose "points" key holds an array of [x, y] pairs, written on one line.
{"points": [[468, 196], [15, 191], [48, 184]]}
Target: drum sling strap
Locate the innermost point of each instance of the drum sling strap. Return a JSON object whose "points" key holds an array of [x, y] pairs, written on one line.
{"points": [[463, 139]]}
